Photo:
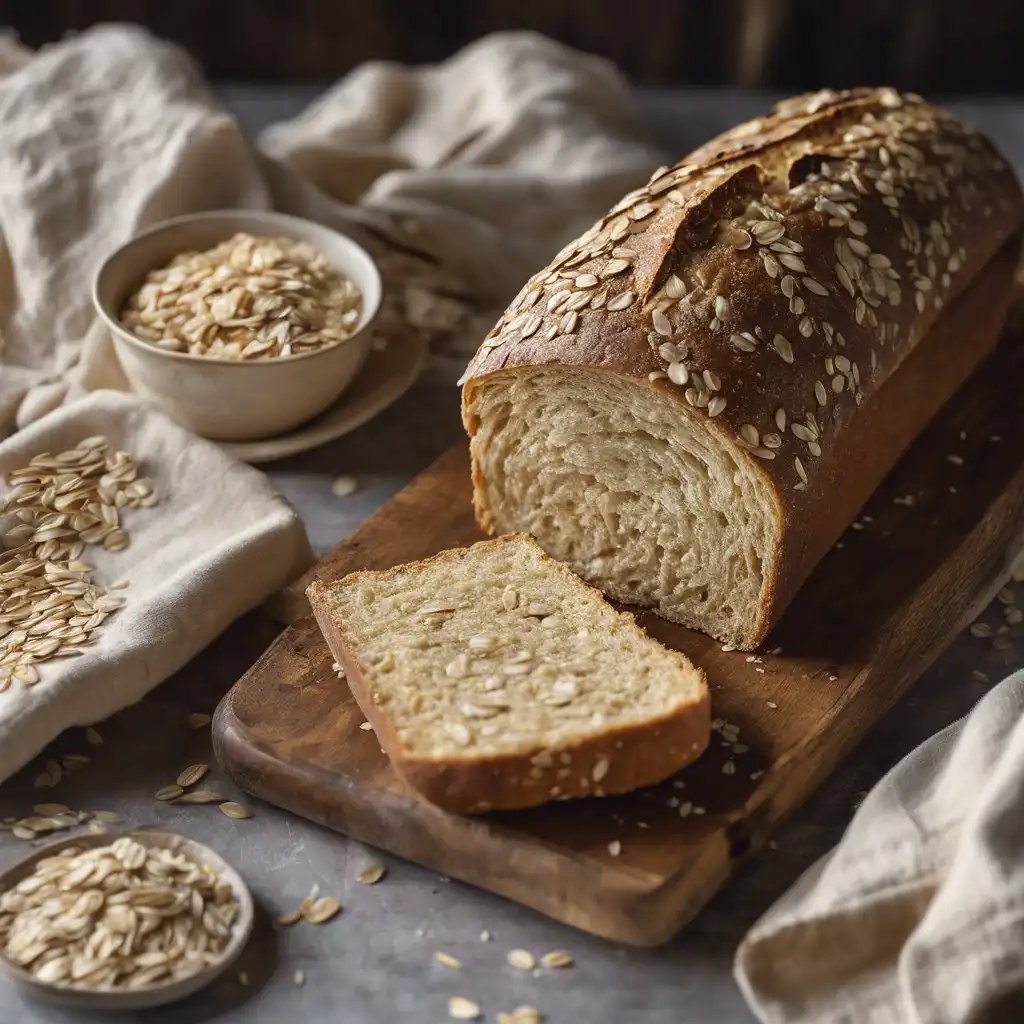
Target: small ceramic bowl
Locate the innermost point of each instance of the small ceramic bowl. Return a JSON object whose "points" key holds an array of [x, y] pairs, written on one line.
{"points": [[154, 995], [227, 399]]}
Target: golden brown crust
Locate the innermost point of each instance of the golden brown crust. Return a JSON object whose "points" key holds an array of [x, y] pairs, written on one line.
{"points": [[888, 206], [621, 760]]}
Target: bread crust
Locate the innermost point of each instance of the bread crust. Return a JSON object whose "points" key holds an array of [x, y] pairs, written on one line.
{"points": [[637, 755], [920, 195]]}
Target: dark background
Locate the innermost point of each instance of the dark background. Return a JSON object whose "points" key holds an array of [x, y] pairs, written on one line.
{"points": [[933, 46]]}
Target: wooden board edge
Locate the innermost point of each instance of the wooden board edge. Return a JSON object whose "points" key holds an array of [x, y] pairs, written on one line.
{"points": [[632, 911]]}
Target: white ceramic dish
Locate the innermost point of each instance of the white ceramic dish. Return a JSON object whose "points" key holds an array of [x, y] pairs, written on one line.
{"points": [[225, 399], [384, 378], [156, 995]]}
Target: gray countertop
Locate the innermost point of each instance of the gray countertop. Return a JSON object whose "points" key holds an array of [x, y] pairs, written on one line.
{"points": [[374, 962]]}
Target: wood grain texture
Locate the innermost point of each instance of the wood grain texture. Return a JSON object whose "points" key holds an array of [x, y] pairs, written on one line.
{"points": [[875, 614]]}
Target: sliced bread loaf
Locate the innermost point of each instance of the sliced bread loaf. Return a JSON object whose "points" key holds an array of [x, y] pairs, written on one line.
{"points": [[495, 678]]}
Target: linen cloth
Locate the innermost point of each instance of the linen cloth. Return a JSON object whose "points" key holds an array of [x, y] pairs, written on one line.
{"points": [[462, 179], [216, 544], [917, 917]]}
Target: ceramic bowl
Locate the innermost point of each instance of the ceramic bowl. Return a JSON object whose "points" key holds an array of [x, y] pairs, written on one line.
{"points": [[154, 995], [227, 399]]}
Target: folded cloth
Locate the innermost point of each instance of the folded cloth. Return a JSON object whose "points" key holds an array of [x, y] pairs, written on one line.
{"points": [[217, 543], [461, 178], [917, 917]]}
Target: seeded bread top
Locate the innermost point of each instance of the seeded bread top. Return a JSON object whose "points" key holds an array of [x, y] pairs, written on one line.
{"points": [[773, 279]]}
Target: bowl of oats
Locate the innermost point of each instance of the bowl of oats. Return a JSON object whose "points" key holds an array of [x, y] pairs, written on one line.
{"points": [[241, 324], [106, 922]]}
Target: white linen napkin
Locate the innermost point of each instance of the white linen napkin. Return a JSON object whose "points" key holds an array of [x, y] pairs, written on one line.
{"points": [[461, 178], [219, 541], [917, 917]]}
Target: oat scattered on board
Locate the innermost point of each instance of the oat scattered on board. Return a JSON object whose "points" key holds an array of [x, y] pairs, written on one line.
{"points": [[343, 486], [60, 506], [485, 936], [93, 737], [322, 910], [299, 978], [521, 959], [198, 720], [446, 960], [235, 810], [75, 920], [243, 978], [371, 874], [166, 793], [365, 726], [461, 1008], [249, 298]]}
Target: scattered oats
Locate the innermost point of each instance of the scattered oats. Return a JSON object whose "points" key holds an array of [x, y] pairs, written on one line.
{"points": [[197, 720], [299, 977], [49, 809], [243, 978], [62, 503], [234, 810], [521, 959], [445, 960], [615, 847], [365, 726], [201, 796], [166, 793], [957, 460], [978, 676], [343, 486], [191, 775], [981, 630], [371, 874], [520, 1015], [729, 768], [93, 737], [556, 958], [322, 910], [485, 936], [460, 1008]]}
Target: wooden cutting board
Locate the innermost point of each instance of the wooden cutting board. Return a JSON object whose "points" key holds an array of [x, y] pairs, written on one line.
{"points": [[876, 613]]}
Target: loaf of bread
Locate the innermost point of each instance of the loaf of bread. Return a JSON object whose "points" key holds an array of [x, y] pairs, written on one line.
{"points": [[692, 402], [495, 678]]}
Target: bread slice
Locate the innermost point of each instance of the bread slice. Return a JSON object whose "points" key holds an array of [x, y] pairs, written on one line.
{"points": [[497, 679]]}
